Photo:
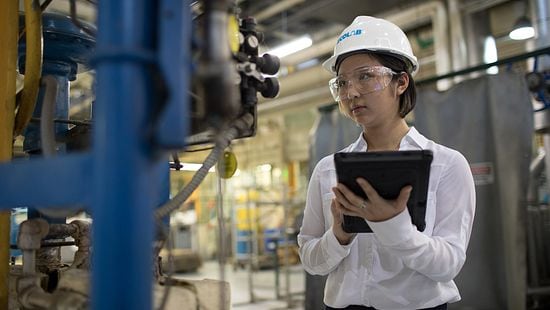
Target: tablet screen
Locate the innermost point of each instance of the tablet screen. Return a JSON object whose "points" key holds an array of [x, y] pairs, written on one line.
{"points": [[387, 172]]}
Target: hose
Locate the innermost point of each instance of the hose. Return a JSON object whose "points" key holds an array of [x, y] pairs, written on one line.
{"points": [[33, 65], [222, 141]]}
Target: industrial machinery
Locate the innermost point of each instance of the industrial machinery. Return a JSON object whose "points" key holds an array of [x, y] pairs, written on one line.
{"points": [[168, 74]]}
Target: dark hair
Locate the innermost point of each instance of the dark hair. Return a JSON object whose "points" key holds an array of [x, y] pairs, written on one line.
{"points": [[407, 100]]}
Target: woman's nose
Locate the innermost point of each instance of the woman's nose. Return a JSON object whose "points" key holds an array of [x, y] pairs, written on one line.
{"points": [[352, 92]]}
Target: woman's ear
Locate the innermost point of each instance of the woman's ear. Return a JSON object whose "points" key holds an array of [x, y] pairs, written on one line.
{"points": [[402, 83]]}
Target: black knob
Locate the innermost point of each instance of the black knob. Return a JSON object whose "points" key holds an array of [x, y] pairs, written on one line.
{"points": [[268, 64], [249, 24], [269, 88]]}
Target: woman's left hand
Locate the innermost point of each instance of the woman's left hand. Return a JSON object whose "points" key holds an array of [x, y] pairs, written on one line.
{"points": [[375, 208]]}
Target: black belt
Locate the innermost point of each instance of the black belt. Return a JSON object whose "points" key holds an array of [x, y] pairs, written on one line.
{"points": [[355, 307]]}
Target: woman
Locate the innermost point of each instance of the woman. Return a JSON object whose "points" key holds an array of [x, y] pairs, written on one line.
{"points": [[396, 266]]}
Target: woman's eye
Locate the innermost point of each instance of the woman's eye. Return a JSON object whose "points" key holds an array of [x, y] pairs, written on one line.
{"points": [[364, 76], [341, 83]]}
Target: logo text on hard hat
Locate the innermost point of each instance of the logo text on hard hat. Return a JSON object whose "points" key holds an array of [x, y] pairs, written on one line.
{"points": [[351, 33]]}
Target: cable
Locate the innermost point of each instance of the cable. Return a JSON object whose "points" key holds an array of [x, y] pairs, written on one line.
{"points": [[44, 5], [76, 22], [199, 149], [222, 141]]}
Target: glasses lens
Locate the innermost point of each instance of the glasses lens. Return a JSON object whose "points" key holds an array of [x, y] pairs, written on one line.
{"points": [[363, 81], [334, 91]]}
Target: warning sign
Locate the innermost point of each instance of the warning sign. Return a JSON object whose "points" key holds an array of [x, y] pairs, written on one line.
{"points": [[483, 173]]}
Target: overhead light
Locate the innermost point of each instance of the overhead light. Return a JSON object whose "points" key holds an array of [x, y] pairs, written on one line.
{"points": [[490, 54], [523, 29], [291, 47]]}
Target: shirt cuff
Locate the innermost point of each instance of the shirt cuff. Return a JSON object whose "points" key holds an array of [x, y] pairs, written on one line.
{"points": [[334, 247], [394, 231]]}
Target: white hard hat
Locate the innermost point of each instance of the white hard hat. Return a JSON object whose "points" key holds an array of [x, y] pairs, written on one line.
{"points": [[372, 34]]}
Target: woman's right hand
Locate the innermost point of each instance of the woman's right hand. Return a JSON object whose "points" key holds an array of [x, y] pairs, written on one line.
{"points": [[337, 219]]}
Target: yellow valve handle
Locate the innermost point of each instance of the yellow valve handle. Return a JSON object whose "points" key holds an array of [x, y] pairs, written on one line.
{"points": [[33, 65], [233, 33], [227, 165]]}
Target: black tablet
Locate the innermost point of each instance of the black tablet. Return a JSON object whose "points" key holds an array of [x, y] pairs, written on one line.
{"points": [[387, 172]]}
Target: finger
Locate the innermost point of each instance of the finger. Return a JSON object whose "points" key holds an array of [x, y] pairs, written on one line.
{"points": [[336, 212], [346, 208], [369, 190], [403, 197], [342, 199], [351, 213], [354, 200], [342, 210], [333, 209]]}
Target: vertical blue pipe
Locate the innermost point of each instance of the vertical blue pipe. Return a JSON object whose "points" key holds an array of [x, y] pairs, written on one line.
{"points": [[124, 162]]}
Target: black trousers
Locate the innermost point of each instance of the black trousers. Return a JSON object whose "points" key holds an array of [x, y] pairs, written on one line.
{"points": [[354, 307]]}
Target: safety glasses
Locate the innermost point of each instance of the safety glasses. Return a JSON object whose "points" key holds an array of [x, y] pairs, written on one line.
{"points": [[364, 80]]}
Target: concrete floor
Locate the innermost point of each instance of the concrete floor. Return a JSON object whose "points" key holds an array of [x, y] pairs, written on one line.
{"points": [[263, 283]]}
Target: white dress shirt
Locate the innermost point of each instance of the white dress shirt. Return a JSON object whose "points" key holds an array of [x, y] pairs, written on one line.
{"points": [[397, 266]]}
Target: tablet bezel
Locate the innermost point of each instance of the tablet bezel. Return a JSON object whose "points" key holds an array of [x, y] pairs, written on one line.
{"points": [[388, 172]]}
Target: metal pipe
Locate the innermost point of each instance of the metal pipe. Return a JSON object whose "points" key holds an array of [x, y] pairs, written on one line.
{"points": [[82, 238], [544, 290], [251, 244], [535, 169], [276, 8], [47, 127], [540, 12], [458, 42], [34, 297], [319, 49], [435, 12], [29, 239], [8, 61], [313, 97], [306, 79], [123, 200], [61, 231], [432, 11], [221, 236]]}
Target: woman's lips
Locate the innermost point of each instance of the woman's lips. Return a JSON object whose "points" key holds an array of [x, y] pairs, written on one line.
{"points": [[358, 108]]}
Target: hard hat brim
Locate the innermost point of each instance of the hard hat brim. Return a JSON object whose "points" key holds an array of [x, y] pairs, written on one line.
{"points": [[331, 64]]}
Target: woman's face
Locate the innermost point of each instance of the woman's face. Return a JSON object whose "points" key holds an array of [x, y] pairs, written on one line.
{"points": [[369, 106]]}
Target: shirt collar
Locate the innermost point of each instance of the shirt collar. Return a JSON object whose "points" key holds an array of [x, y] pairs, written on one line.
{"points": [[412, 138]]}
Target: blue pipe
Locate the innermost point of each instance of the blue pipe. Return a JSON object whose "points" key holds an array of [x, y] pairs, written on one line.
{"points": [[125, 165]]}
